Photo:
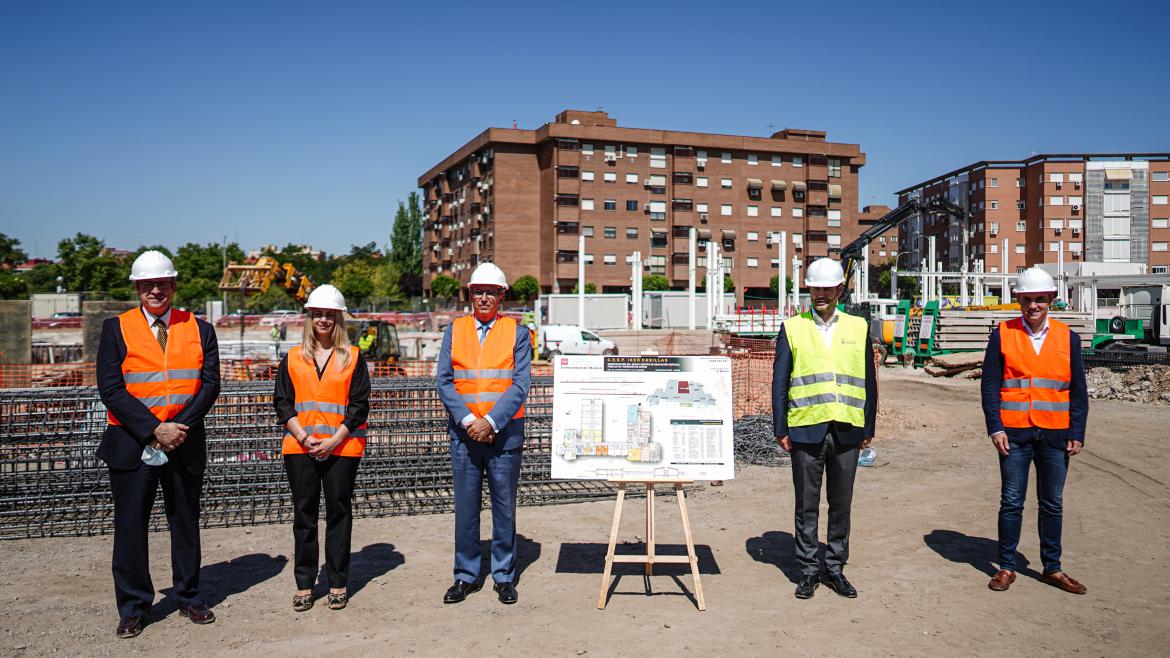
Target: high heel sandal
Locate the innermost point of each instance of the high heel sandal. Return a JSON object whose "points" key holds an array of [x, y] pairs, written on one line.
{"points": [[338, 601], [302, 602]]}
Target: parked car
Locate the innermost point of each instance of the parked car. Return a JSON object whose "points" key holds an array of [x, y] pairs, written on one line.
{"points": [[60, 315], [557, 339]]}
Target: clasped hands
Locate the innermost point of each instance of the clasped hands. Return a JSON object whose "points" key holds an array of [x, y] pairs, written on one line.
{"points": [[480, 430], [168, 436]]}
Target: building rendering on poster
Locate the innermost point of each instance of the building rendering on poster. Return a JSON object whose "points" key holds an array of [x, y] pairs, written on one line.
{"points": [[647, 417]]}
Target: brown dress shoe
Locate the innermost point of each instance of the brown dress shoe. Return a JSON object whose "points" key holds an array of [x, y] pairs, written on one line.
{"points": [[1002, 580], [130, 627], [198, 614], [1063, 581]]}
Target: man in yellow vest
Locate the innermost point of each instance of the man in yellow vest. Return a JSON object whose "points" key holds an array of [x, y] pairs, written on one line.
{"points": [[824, 403], [483, 379], [158, 375]]}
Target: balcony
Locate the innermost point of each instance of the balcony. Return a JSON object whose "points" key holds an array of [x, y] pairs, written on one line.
{"points": [[683, 178]]}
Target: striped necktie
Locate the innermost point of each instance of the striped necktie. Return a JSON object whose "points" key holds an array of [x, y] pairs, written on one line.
{"points": [[160, 332], [483, 331]]}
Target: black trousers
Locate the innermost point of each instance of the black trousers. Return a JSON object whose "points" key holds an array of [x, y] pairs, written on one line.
{"points": [[134, 494], [307, 477], [810, 461]]}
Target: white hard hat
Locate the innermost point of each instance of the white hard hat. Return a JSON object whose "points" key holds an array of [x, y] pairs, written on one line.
{"points": [[824, 273], [152, 265], [327, 297], [487, 274], [1034, 279]]}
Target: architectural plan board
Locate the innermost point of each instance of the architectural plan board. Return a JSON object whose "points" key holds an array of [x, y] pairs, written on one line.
{"points": [[651, 417]]}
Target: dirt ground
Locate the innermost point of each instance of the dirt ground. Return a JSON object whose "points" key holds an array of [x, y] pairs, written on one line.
{"points": [[923, 546]]}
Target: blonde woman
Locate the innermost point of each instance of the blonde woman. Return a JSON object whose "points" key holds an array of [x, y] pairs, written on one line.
{"points": [[322, 399]]}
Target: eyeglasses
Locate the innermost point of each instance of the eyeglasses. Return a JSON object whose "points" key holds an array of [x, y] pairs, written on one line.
{"points": [[484, 292]]}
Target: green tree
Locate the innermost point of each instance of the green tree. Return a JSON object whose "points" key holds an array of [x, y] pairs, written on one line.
{"points": [[192, 293], [355, 280], [655, 282], [318, 271], [366, 251], [12, 286], [590, 288], [273, 298], [42, 278], [774, 285], [526, 288], [445, 286], [728, 284], [10, 251], [406, 244], [907, 286], [386, 287]]}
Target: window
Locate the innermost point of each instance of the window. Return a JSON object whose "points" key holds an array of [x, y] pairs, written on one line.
{"points": [[797, 161], [753, 159], [658, 239], [1116, 226], [566, 199], [994, 182], [610, 151], [566, 172], [1159, 246], [610, 231], [1021, 226], [1055, 178], [1160, 176], [587, 231], [701, 181], [1159, 199], [586, 149], [725, 183], [1116, 250], [632, 204], [834, 168], [725, 210], [1076, 201], [700, 207], [610, 259], [1076, 178], [994, 204], [657, 157], [1056, 201], [993, 248], [798, 212], [657, 210], [1158, 269], [1117, 185], [777, 161], [753, 236], [567, 227], [632, 152], [681, 204], [834, 240], [587, 175], [611, 204], [726, 157], [776, 211], [588, 259], [753, 262], [1056, 223], [1020, 204], [586, 204], [683, 178], [658, 264], [1019, 249], [632, 233], [701, 158], [1160, 222], [609, 177], [753, 211]]}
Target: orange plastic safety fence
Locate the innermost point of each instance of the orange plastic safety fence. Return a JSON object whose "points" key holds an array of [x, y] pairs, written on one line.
{"points": [[45, 375], [751, 374]]}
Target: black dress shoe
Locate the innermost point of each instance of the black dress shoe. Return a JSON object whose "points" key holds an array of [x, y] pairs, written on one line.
{"points": [[507, 592], [130, 627], [198, 614], [460, 590], [837, 583], [806, 587]]}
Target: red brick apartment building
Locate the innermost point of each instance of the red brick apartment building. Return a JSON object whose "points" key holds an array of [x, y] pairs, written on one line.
{"points": [[521, 199], [1104, 207]]}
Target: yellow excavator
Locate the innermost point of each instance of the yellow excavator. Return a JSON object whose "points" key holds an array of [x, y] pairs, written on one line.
{"points": [[377, 339]]}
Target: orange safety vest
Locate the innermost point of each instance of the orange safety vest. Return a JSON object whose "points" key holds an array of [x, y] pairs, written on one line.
{"points": [[1035, 390], [321, 403], [163, 381], [483, 372]]}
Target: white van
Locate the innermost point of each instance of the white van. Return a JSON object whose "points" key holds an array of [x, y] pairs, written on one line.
{"points": [[556, 339]]}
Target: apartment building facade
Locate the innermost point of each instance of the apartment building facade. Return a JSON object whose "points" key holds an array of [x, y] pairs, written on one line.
{"points": [[523, 198], [1093, 207]]}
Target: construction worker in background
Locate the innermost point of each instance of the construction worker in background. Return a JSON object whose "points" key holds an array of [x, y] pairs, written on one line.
{"points": [[1036, 405], [322, 398], [483, 378], [367, 340], [824, 404], [158, 376]]}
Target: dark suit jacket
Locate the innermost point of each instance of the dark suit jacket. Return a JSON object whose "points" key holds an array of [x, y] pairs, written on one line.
{"points": [[121, 445], [511, 434], [847, 434], [1078, 408]]}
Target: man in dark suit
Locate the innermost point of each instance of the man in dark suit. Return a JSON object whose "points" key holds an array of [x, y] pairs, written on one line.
{"points": [[1036, 406], [483, 378], [824, 404], [158, 375]]}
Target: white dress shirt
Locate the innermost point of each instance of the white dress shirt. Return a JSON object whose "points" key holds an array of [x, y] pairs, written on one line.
{"points": [[1037, 337], [150, 318], [826, 328]]}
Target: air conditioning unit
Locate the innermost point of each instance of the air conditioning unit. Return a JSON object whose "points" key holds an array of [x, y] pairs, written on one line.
{"points": [[646, 207], [993, 233], [703, 217], [1076, 231], [1076, 208], [1077, 185], [609, 157], [700, 163], [647, 183], [1059, 185]]}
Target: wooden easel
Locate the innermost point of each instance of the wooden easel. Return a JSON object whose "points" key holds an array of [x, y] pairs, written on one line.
{"points": [[649, 559]]}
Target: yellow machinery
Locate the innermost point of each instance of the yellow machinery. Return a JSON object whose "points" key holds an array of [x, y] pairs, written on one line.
{"points": [[256, 279]]}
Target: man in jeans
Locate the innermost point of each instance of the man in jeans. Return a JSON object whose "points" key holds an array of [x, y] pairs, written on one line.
{"points": [[1036, 404]]}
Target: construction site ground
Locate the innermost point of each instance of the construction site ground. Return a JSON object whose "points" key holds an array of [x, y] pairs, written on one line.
{"points": [[923, 549]]}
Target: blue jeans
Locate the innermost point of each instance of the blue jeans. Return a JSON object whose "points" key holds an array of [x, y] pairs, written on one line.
{"points": [[470, 462], [1051, 469]]}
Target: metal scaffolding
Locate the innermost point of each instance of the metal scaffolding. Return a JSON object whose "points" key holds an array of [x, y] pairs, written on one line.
{"points": [[51, 484]]}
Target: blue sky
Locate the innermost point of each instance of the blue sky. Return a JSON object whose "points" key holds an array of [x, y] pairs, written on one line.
{"points": [[275, 122]]}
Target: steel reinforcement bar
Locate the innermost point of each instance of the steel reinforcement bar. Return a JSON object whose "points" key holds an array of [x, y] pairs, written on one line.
{"points": [[51, 484]]}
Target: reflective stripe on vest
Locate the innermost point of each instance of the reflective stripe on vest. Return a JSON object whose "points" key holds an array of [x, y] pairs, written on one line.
{"points": [[1035, 390], [483, 373], [164, 382], [826, 383], [320, 403]]}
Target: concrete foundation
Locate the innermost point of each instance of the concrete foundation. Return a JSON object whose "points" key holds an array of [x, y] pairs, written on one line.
{"points": [[15, 331], [94, 314]]}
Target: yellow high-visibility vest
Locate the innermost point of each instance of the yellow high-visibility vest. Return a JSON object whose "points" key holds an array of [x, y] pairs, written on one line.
{"points": [[828, 382]]}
